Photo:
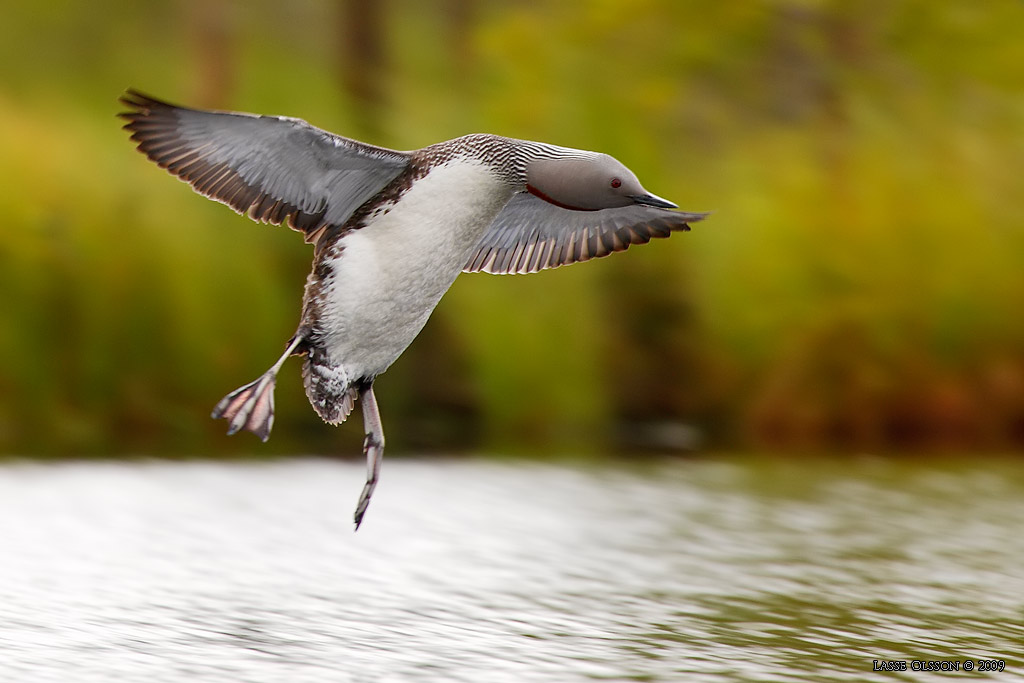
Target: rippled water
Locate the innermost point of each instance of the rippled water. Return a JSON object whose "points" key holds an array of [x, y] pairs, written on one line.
{"points": [[483, 571]]}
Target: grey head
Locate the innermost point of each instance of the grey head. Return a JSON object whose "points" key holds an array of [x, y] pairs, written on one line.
{"points": [[587, 181]]}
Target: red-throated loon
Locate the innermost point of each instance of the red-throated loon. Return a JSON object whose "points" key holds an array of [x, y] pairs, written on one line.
{"points": [[391, 231]]}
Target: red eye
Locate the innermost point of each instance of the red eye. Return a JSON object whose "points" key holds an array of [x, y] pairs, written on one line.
{"points": [[616, 182]]}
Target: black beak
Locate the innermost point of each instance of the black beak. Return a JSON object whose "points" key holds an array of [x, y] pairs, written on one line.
{"points": [[652, 200]]}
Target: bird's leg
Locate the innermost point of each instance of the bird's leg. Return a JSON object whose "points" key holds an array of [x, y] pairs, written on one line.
{"points": [[252, 407], [373, 447]]}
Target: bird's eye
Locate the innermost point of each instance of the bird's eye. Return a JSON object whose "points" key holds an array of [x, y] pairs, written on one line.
{"points": [[616, 182]]}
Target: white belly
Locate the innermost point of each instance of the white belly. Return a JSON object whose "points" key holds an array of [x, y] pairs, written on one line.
{"points": [[391, 274]]}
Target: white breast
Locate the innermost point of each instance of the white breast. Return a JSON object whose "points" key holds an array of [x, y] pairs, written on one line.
{"points": [[391, 273]]}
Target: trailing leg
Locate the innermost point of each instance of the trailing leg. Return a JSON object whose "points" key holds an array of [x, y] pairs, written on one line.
{"points": [[373, 447], [252, 407]]}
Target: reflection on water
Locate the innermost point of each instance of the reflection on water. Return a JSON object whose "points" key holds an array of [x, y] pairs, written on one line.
{"points": [[481, 571]]}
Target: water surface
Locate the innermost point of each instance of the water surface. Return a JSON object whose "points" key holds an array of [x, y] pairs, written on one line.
{"points": [[483, 571]]}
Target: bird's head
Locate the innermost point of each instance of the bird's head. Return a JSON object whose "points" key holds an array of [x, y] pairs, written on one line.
{"points": [[585, 181]]}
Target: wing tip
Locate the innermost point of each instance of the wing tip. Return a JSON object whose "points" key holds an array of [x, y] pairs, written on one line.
{"points": [[671, 221], [141, 105], [693, 216], [134, 99]]}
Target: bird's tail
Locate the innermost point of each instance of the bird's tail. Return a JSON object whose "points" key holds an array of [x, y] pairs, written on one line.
{"points": [[328, 386]]}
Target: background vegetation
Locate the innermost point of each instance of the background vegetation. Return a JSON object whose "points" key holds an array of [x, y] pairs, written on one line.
{"points": [[859, 285]]}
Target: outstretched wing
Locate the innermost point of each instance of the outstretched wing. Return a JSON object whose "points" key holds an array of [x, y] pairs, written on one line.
{"points": [[531, 234], [273, 169]]}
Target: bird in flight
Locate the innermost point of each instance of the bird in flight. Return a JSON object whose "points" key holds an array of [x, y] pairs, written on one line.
{"points": [[391, 231]]}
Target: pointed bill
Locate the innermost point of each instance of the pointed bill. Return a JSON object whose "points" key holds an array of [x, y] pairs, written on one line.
{"points": [[649, 199]]}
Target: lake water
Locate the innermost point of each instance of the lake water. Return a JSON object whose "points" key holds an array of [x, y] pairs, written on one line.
{"points": [[471, 570]]}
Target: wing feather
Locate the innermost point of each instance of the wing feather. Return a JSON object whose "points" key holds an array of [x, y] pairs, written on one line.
{"points": [[531, 234], [273, 169]]}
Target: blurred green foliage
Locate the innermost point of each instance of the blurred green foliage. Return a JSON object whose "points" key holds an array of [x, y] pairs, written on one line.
{"points": [[858, 286]]}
